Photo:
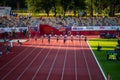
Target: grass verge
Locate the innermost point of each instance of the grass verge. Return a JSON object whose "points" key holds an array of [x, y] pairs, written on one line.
{"points": [[109, 67]]}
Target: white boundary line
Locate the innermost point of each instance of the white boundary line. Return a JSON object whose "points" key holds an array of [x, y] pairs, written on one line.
{"points": [[97, 61], [86, 62], [53, 63]]}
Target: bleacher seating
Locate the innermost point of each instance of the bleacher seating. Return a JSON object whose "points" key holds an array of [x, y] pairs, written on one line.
{"points": [[24, 21]]}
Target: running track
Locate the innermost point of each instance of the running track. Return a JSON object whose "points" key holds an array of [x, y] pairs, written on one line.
{"points": [[54, 61]]}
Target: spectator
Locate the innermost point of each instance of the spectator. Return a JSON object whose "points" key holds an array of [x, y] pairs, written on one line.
{"points": [[49, 39]]}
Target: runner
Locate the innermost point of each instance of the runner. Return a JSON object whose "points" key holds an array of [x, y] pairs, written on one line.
{"points": [[49, 39], [71, 38], [64, 40], [35, 38], [85, 38], [57, 38], [42, 38]]}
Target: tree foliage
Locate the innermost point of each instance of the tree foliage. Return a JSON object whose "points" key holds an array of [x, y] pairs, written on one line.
{"points": [[78, 5], [90, 6], [15, 4], [65, 4]]}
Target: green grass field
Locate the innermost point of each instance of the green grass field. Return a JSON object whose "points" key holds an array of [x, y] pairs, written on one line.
{"points": [[109, 67]]}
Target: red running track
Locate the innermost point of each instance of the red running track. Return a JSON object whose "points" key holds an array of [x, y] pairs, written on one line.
{"points": [[54, 61]]}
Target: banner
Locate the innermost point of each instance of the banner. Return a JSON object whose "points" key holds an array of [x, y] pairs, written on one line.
{"points": [[82, 28]]}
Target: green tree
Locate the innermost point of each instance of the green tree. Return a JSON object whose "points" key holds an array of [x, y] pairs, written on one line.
{"points": [[15, 4], [46, 5], [33, 5], [78, 5], [100, 5], [55, 4], [37, 5], [3, 2], [65, 4], [113, 5], [90, 4]]}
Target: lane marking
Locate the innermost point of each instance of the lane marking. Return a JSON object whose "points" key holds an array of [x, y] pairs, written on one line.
{"points": [[64, 63], [97, 62], [42, 62], [30, 63], [53, 62], [75, 62], [86, 62], [17, 64], [14, 58]]}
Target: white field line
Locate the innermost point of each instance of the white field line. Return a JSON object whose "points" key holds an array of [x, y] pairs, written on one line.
{"points": [[97, 62]]}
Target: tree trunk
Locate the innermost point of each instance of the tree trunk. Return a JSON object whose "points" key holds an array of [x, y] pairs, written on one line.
{"points": [[74, 12], [55, 13], [18, 4], [64, 13], [4, 3], [112, 10], [91, 9], [47, 14]]}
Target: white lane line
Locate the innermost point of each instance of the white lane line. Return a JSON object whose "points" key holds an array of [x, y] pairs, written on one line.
{"points": [[86, 62], [17, 65], [75, 62], [42, 62], [30, 63], [53, 62], [64, 63], [97, 62], [7, 64]]}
